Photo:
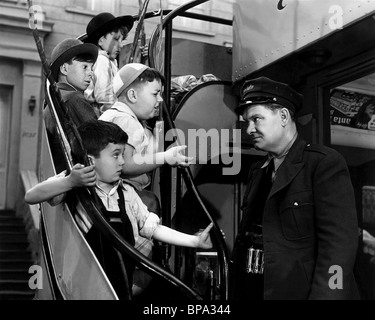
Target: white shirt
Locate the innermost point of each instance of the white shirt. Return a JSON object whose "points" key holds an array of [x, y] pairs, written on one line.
{"points": [[140, 138], [100, 91], [143, 222]]}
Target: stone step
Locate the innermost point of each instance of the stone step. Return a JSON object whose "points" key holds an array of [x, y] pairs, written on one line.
{"points": [[18, 264], [7, 213], [16, 295], [13, 237], [14, 220], [15, 259], [15, 274], [14, 254], [12, 227], [15, 285], [20, 246]]}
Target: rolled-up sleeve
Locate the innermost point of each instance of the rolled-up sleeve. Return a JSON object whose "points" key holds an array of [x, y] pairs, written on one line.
{"points": [[149, 226], [147, 221], [61, 197]]}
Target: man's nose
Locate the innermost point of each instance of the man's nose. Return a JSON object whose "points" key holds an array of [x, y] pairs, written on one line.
{"points": [[250, 128]]}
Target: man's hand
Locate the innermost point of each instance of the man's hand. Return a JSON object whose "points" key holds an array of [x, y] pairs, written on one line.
{"points": [[82, 176], [175, 157]]}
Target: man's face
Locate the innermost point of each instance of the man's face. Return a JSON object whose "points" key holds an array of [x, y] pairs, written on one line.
{"points": [[264, 127], [109, 165], [148, 100], [79, 74], [112, 43]]}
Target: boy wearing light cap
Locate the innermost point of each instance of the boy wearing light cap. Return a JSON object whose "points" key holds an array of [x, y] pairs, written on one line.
{"points": [[138, 90]]}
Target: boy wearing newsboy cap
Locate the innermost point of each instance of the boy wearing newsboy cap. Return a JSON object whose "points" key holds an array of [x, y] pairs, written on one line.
{"points": [[71, 67]]}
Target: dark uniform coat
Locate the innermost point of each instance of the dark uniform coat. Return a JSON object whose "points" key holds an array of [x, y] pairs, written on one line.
{"points": [[310, 228]]}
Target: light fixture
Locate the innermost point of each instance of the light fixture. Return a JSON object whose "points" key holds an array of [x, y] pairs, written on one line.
{"points": [[32, 105]]}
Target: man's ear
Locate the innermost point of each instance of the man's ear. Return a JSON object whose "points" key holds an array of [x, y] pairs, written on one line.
{"points": [[285, 116], [132, 95]]}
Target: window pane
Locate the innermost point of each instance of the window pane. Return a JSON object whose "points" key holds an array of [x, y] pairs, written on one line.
{"points": [[204, 8], [352, 124], [95, 5], [353, 114]]}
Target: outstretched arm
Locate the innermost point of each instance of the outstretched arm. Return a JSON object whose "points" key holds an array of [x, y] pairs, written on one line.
{"points": [[137, 164], [54, 186], [200, 240]]}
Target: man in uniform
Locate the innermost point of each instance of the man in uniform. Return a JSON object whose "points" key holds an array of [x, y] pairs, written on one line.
{"points": [[299, 231]]}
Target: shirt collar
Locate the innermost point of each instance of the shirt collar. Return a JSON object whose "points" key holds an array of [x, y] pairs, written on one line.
{"points": [[112, 191], [66, 86], [105, 54], [119, 184], [280, 159], [122, 107]]}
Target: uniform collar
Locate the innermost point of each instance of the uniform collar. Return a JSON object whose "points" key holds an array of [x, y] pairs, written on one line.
{"points": [[280, 159]]}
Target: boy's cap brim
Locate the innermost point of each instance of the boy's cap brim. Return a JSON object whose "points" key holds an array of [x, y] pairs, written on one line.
{"points": [[68, 49], [104, 23], [126, 76]]}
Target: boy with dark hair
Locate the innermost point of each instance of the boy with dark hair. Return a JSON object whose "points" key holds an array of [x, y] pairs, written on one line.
{"points": [[105, 144], [71, 67], [107, 32]]}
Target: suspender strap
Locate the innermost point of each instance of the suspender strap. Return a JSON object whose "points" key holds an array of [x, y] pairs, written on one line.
{"points": [[128, 229]]}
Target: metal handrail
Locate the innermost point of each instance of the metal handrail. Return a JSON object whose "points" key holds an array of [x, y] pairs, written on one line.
{"points": [[187, 174]]}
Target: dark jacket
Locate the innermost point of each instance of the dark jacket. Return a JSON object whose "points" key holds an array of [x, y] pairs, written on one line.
{"points": [[310, 227], [79, 110]]}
